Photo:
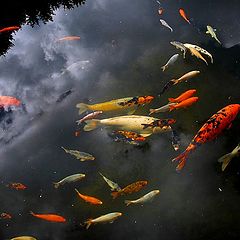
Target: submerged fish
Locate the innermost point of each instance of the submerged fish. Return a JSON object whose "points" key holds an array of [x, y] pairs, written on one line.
{"points": [[175, 140], [131, 135], [17, 186], [89, 116], [183, 96], [49, 217], [82, 156], [134, 187], [64, 95], [116, 104], [160, 123], [160, 11], [9, 101], [23, 238], [171, 61], [183, 15], [225, 160], [185, 103], [89, 199], [69, 179], [180, 46], [209, 131], [133, 123], [7, 29], [165, 24], [164, 108], [5, 216], [199, 49], [110, 217], [197, 54], [146, 198], [114, 186], [68, 38], [212, 31]]}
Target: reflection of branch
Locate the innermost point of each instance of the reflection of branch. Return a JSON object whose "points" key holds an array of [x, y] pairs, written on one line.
{"points": [[29, 12]]}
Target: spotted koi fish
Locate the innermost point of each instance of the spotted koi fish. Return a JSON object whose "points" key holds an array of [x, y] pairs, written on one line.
{"points": [[209, 131]]}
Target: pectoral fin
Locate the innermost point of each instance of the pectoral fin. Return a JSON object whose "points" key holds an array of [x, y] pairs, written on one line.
{"points": [[207, 32]]}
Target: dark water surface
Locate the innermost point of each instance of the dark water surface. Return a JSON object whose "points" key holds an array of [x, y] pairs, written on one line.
{"points": [[122, 46]]}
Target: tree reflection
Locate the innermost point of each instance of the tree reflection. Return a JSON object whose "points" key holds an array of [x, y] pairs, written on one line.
{"points": [[28, 12]]}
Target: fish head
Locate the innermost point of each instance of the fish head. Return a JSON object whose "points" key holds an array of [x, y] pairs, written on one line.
{"points": [[143, 183], [145, 99]]}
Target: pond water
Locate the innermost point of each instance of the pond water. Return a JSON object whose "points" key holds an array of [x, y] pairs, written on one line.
{"points": [[120, 52]]}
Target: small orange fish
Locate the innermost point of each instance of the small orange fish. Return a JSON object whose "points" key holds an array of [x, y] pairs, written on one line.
{"points": [[5, 216], [7, 29], [160, 11], [8, 101], [183, 15], [17, 186], [185, 103], [134, 187], [183, 96], [49, 217], [89, 199], [68, 38], [77, 133]]}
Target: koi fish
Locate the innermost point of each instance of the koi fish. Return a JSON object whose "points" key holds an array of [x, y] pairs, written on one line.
{"points": [[114, 186], [175, 140], [131, 123], [9, 101], [126, 137], [146, 198], [171, 61], [212, 32], [77, 133], [197, 54], [64, 95], [199, 49], [183, 96], [183, 78], [160, 123], [24, 238], [69, 179], [160, 11], [183, 15], [49, 217], [89, 199], [7, 29], [68, 38], [209, 131], [116, 104], [180, 46], [165, 24], [110, 217], [185, 103], [225, 160], [134, 187], [89, 116], [131, 135], [5, 216], [17, 186], [82, 156], [164, 108]]}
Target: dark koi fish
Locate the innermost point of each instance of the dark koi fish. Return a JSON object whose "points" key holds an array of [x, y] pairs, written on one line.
{"points": [[209, 131]]}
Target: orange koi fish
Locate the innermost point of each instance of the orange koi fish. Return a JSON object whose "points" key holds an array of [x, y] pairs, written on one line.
{"points": [[8, 101], [7, 29], [68, 38], [89, 199], [5, 216], [17, 186], [209, 131], [183, 96], [134, 187], [183, 15], [160, 11], [186, 103], [49, 217]]}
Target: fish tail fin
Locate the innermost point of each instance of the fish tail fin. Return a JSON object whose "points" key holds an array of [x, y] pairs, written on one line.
{"points": [[91, 124], [128, 202], [181, 160], [151, 111], [114, 194], [174, 81], [83, 107], [164, 68], [56, 184], [172, 100], [171, 108], [225, 160], [88, 223]]}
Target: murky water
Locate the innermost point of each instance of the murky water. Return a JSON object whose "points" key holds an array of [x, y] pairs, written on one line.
{"points": [[121, 50]]}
